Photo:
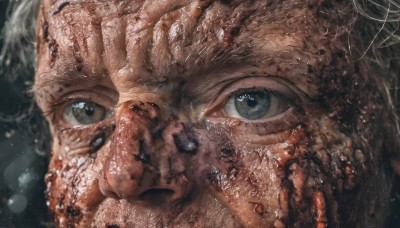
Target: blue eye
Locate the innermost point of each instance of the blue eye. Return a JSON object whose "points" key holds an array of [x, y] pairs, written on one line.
{"points": [[84, 112], [252, 105], [255, 105]]}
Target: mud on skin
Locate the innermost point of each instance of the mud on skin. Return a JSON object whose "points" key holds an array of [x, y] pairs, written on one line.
{"points": [[208, 113]]}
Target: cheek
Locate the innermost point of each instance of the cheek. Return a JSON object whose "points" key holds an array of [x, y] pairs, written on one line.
{"points": [[312, 177], [248, 179], [72, 182]]}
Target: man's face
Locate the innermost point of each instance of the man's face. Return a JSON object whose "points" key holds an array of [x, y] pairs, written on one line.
{"points": [[202, 113]]}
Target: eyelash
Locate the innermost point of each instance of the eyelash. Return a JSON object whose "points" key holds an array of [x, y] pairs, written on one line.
{"points": [[56, 107]]}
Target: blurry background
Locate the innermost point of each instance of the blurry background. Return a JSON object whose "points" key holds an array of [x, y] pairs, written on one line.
{"points": [[22, 163], [23, 156]]}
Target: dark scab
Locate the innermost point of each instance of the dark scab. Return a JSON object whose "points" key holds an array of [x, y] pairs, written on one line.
{"points": [[53, 51], [233, 26], [142, 155], [145, 158], [73, 212], [135, 108], [66, 85], [227, 153], [186, 143], [214, 178], [259, 208], [97, 143], [45, 27], [79, 64], [229, 34], [310, 69], [154, 105], [60, 203], [233, 171]]}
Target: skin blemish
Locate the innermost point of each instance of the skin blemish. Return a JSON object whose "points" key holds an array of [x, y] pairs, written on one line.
{"points": [[233, 171], [215, 179], [53, 51], [149, 110], [73, 212], [74, 215], [136, 108], [98, 142], [258, 207], [232, 28], [267, 172], [79, 63], [186, 142], [45, 28], [60, 203], [142, 155], [227, 153]]}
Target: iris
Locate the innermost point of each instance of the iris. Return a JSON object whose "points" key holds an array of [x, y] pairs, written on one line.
{"points": [[84, 112], [252, 105]]}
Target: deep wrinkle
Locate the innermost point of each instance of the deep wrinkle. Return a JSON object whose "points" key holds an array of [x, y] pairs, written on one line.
{"points": [[297, 170]]}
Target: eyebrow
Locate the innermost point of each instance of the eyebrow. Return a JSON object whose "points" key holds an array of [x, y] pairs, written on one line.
{"points": [[71, 76]]}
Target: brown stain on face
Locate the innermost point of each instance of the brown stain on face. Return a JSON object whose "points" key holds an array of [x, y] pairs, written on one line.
{"points": [[53, 50], [236, 21], [307, 180], [143, 159], [320, 210]]}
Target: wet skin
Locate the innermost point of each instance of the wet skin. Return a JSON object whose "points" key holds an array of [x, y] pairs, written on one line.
{"points": [[207, 114]]}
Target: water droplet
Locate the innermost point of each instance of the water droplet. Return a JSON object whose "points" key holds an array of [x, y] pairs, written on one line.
{"points": [[9, 133], [17, 203], [26, 178], [13, 171]]}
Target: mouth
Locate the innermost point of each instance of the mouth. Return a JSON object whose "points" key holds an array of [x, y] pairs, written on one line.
{"points": [[157, 196], [153, 210]]}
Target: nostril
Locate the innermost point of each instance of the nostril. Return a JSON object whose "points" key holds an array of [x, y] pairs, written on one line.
{"points": [[157, 195]]}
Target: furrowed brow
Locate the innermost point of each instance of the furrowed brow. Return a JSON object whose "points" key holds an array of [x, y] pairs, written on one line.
{"points": [[46, 79]]}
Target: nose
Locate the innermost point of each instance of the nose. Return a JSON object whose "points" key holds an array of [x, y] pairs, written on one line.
{"points": [[146, 160]]}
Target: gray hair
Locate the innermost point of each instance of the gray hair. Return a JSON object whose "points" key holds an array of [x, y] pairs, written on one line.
{"points": [[381, 20], [17, 56]]}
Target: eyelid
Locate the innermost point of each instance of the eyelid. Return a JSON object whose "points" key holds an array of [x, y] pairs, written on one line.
{"points": [[57, 108], [268, 84]]}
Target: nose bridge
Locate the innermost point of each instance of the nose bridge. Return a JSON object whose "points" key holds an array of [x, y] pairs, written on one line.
{"points": [[143, 162]]}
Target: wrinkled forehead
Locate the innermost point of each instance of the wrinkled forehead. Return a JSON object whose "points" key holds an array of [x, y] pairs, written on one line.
{"points": [[154, 38]]}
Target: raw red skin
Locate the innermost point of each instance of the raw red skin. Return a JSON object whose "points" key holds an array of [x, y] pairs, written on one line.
{"points": [[169, 156]]}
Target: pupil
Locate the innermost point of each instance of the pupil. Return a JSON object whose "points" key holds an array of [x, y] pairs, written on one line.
{"points": [[252, 105], [89, 110], [251, 102], [86, 112]]}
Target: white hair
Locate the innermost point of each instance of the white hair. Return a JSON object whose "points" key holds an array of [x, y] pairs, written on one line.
{"points": [[382, 30], [17, 56]]}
